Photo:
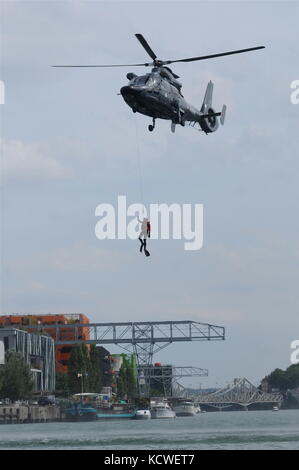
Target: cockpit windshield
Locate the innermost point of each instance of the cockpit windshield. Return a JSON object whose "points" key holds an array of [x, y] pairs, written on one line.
{"points": [[150, 80], [140, 81], [153, 81]]}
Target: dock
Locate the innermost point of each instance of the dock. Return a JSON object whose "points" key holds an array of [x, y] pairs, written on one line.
{"points": [[16, 414]]}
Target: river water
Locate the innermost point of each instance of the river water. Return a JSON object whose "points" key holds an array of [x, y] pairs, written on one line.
{"points": [[217, 430]]}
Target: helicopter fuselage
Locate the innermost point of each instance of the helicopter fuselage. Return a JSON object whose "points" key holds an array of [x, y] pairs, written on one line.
{"points": [[158, 95]]}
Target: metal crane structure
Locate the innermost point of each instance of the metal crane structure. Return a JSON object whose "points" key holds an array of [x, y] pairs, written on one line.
{"points": [[240, 392], [144, 339], [167, 376]]}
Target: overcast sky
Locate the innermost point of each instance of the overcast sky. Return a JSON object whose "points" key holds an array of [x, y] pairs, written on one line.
{"points": [[69, 143]]}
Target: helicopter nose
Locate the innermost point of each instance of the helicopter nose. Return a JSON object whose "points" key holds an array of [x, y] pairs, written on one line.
{"points": [[128, 91]]}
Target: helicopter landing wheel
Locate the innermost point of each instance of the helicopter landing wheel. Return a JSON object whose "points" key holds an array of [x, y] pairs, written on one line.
{"points": [[151, 127]]}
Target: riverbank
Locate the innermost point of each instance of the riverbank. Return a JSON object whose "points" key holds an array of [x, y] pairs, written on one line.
{"points": [[19, 414]]}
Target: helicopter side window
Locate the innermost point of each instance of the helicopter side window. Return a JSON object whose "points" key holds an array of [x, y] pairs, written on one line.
{"points": [[176, 87]]}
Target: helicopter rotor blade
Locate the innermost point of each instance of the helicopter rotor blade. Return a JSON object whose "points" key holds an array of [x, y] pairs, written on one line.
{"points": [[111, 65], [144, 43], [165, 62], [212, 56]]}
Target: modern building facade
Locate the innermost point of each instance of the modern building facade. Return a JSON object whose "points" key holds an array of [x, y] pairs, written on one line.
{"points": [[62, 352], [2, 352], [37, 350]]}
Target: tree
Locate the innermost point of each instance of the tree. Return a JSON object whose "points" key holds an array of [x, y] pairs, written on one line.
{"points": [[292, 376], [284, 380], [16, 380], [94, 370], [78, 369], [277, 379], [131, 383], [84, 369], [121, 383], [62, 384], [126, 382]]}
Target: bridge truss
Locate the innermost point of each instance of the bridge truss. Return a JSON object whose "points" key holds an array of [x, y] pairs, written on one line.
{"points": [[239, 392]]}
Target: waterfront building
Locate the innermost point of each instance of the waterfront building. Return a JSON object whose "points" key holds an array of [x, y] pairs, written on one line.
{"points": [[104, 357], [62, 352], [37, 350]]}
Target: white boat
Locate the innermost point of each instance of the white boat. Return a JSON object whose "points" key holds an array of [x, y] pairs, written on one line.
{"points": [[186, 408], [142, 414], [161, 409], [275, 408]]}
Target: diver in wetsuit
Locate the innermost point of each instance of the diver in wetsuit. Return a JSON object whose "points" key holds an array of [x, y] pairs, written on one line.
{"points": [[144, 234]]}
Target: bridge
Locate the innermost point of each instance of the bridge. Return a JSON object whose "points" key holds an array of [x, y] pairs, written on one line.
{"points": [[240, 392]]}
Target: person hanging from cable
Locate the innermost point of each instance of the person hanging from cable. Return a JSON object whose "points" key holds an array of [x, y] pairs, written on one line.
{"points": [[144, 234]]}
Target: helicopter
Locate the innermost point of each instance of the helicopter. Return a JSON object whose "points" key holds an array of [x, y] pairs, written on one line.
{"points": [[158, 94]]}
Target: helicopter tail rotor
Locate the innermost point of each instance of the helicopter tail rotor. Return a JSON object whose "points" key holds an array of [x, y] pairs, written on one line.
{"points": [[222, 115], [208, 119]]}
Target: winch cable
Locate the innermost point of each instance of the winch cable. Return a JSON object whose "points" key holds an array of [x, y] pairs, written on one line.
{"points": [[138, 157]]}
